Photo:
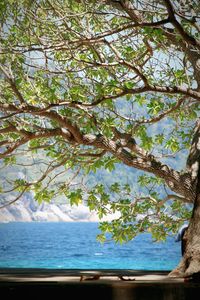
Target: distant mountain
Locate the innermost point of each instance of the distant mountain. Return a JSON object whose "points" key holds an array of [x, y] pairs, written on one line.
{"points": [[28, 210]]}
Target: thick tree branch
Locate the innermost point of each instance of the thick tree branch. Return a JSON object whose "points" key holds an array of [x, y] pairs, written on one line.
{"points": [[175, 90], [28, 136], [149, 164], [146, 162], [127, 141], [62, 121], [150, 88], [188, 38]]}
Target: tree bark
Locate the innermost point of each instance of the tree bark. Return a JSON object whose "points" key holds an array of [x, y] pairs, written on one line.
{"points": [[190, 263]]}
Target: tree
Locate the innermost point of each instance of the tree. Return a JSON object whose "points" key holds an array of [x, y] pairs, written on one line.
{"points": [[97, 84]]}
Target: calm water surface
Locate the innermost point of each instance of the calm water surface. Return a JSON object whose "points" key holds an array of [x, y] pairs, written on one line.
{"points": [[74, 246]]}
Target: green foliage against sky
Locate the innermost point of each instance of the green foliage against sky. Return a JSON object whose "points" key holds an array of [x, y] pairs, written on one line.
{"points": [[104, 93]]}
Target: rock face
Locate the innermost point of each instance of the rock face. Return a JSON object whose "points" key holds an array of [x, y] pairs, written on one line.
{"points": [[27, 210]]}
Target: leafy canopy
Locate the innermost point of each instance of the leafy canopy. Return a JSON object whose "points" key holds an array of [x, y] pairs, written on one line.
{"points": [[105, 90]]}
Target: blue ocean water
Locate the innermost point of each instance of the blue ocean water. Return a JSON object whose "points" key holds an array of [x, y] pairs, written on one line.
{"points": [[74, 246]]}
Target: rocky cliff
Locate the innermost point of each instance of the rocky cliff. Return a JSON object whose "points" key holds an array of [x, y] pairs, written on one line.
{"points": [[27, 210]]}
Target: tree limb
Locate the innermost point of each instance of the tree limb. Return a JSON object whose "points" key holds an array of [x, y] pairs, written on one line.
{"points": [[15, 200], [188, 38]]}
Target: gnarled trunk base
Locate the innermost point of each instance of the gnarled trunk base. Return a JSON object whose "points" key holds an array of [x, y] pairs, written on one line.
{"points": [[190, 263]]}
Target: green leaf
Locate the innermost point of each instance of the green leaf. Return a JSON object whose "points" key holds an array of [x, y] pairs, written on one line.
{"points": [[11, 160], [44, 195], [140, 99], [110, 165], [154, 107], [115, 187], [92, 201], [75, 197], [159, 138], [129, 85], [101, 238], [172, 144]]}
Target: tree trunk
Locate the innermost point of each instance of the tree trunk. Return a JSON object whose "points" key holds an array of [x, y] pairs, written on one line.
{"points": [[190, 263]]}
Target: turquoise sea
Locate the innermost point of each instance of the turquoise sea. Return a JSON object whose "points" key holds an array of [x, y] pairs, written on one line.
{"points": [[74, 246]]}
